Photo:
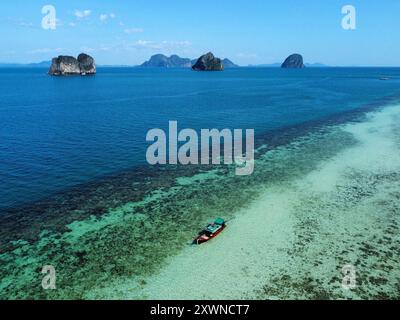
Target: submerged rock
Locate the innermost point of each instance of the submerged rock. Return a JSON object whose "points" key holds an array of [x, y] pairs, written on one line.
{"points": [[294, 61], [208, 62], [67, 65]]}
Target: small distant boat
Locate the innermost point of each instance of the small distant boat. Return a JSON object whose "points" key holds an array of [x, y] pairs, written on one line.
{"points": [[210, 232], [384, 78]]}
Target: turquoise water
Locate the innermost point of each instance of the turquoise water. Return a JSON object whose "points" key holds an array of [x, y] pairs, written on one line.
{"points": [[76, 194]]}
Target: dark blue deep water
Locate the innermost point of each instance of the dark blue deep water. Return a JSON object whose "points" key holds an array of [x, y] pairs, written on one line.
{"points": [[59, 132]]}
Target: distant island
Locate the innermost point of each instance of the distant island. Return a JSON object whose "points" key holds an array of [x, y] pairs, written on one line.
{"points": [[67, 65], [229, 64], [174, 61], [162, 61], [42, 64]]}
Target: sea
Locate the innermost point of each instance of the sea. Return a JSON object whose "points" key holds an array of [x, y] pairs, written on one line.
{"points": [[77, 193]]}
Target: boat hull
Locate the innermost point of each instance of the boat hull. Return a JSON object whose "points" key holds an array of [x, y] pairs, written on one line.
{"points": [[205, 238]]}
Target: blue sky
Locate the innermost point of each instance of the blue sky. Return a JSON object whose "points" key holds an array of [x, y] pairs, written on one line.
{"points": [[248, 32]]}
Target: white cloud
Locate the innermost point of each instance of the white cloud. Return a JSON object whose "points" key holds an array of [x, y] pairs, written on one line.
{"points": [[133, 30], [146, 44], [177, 43], [72, 24], [82, 14], [105, 48], [246, 55], [26, 24], [46, 50], [20, 22], [87, 49], [105, 16], [59, 23]]}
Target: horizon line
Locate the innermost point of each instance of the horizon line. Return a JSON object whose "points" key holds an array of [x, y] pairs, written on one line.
{"points": [[259, 65]]}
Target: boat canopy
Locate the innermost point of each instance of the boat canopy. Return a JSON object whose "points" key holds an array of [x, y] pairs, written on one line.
{"points": [[220, 221]]}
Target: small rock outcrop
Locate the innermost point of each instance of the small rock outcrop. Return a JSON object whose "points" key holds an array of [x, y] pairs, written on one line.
{"points": [[294, 61], [67, 65], [208, 62]]}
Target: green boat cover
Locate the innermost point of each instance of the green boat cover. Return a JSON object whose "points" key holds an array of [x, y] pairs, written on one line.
{"points": [[220, 221]]}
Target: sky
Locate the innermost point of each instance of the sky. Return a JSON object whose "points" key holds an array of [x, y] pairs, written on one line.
{"points": [[248, 32]]}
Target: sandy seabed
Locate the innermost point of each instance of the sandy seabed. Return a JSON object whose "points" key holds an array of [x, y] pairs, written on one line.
{"points": [[292, 241]]}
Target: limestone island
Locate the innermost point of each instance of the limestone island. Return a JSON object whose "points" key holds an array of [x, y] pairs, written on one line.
{"points": [[67, 65], [162, 61], [208, 62], [294, 61]]}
